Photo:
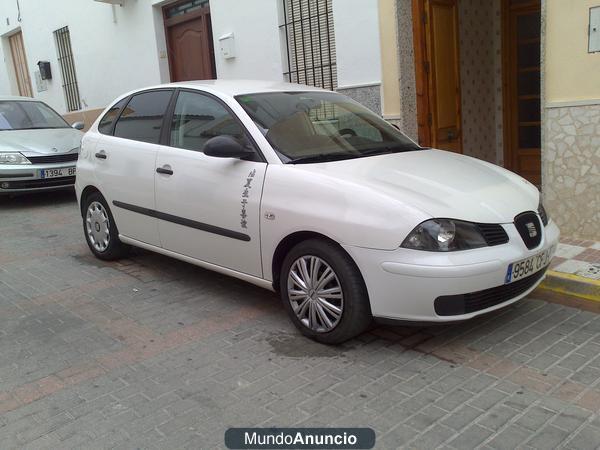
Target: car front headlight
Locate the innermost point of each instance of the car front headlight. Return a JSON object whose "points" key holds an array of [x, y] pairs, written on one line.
{"points": [[13, 158], [444, 235]]}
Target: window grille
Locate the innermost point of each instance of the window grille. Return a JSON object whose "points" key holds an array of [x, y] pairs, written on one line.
{"points": [[184, 8], [310, 42], [67, 68]]}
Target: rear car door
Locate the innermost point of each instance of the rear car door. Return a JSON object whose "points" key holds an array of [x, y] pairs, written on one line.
{"points": [[126, 160], [209, 207]]}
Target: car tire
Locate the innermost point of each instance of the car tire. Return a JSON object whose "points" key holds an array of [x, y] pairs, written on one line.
{"points": [[100, 230], [312, 318]]}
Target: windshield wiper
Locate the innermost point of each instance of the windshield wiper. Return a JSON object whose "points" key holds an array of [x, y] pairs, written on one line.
{"points": [[387, 150], [322, 157]]}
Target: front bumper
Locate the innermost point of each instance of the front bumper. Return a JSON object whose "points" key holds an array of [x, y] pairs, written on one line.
{"points": [[404, 284], [28, 178]]}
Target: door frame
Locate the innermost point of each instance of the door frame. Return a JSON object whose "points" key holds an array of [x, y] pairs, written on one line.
{"points": [[423, 82], [169, 22], [509, 102], [19, 58]]}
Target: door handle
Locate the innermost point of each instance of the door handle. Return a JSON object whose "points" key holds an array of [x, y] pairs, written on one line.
{"points": [[101, 155], [165, 170]]}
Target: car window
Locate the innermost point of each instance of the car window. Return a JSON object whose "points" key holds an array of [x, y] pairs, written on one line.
{"points": [[141, 120], [105, 125], [28, 115], [197, 118], [319, 125]]}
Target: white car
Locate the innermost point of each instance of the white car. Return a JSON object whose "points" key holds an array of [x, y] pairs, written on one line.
{"points": [[38, 149], [306, 192]]}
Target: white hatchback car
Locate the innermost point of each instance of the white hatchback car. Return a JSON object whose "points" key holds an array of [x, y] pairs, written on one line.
{"points": [[306, 192]]}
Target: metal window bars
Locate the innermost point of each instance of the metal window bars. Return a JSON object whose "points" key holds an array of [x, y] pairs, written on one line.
{"points": [[67, 68], [310, 42]]}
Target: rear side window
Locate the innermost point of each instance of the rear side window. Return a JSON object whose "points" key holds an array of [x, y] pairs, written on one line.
{"points": [[105, 125], [142, 118]]}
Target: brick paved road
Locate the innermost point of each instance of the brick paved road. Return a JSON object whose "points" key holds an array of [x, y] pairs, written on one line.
{"points": [[154, 353]]}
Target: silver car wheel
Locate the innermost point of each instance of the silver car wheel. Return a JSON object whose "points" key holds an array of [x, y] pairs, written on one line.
{"points": [[315, 293], [97, 226]]}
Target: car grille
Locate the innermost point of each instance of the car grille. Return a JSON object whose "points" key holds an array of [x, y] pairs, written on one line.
{"points": [[493, 233], [32, 184], [65, 157], [529, 227], [455, 305]]}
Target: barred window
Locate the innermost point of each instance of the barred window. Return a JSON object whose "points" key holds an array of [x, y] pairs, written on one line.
{"points": [[310, 42], [67, 68]]}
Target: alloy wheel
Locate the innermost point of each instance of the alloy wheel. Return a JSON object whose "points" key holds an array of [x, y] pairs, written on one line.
{"points": [[315, 293], [97, 226]]}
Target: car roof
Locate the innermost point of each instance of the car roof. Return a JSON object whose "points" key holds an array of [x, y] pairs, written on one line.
{"points": [[17, 98], [240, 87]]}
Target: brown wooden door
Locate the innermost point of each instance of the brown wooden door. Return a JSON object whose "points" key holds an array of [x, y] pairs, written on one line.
{"points": [[17, 50], [522, 109], [189, 42], [438, 74]]}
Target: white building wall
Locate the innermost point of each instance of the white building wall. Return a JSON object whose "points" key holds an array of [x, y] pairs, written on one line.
{"points": [[255, 27], [356, 28], [117, 49], [114, 48]]}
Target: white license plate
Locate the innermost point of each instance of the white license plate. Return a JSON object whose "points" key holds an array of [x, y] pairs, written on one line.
{"points": [[57, 173], [528, 266]]}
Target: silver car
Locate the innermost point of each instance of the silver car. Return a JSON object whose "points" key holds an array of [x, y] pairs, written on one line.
{"points": [[38, 149]]}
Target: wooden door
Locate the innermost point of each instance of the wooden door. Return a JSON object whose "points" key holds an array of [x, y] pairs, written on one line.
{"points": [[189, 44], [438, 73], [522, 108], [17, 50]]}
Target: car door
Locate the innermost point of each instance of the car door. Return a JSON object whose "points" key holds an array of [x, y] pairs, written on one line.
{"points": [[208, 207], [126, 162]]}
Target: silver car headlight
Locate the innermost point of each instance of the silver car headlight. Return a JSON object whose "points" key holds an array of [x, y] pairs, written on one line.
{"points": [[13, 158], [444, 235]]}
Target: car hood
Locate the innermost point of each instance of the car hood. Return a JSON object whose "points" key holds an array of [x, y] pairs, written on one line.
{"points": [[440, 184], [40, 142]]}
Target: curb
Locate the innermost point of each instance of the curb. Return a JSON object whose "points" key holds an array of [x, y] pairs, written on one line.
{"points": [[570, 290]]}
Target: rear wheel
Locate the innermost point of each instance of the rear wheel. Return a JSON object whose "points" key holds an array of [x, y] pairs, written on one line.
{"points": [[324, 293], [100, 229]]}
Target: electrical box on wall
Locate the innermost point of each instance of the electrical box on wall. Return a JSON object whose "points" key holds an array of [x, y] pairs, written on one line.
{"points": [[594, 30], [45, 72], [227, 44]]}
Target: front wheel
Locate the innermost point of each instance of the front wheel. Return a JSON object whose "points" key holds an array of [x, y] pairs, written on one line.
{"points": [[324, 292], [100, 229]]}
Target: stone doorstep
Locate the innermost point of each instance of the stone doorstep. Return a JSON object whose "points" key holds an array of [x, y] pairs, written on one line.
{"points": [[570, 290]]}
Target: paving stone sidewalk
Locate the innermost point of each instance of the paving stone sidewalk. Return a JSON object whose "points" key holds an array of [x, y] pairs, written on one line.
{"points": [[154, 353]]}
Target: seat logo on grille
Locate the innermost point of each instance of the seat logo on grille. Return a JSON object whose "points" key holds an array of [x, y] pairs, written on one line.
{"points": [[531, 228]]}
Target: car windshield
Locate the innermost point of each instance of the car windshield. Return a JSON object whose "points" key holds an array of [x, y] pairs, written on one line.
{"points": [[27, 115], [305, 127]]}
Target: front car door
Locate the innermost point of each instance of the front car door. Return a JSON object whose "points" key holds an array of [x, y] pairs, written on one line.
{"points": [[209, 208], [126, 161]]}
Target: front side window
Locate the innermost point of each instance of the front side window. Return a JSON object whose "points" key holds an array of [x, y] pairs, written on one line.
{"points": [[197, 118], [105, 125], [321, 126], [142, 118], [19, 115]]}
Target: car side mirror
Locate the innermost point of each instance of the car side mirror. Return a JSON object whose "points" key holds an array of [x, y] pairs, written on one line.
{"points": [[226, 147], [78, 125]]}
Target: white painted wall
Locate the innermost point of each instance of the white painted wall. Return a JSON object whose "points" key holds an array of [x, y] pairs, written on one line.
{"points": [[113, 52], [117, 49], [356, 27], [255, 26]]}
